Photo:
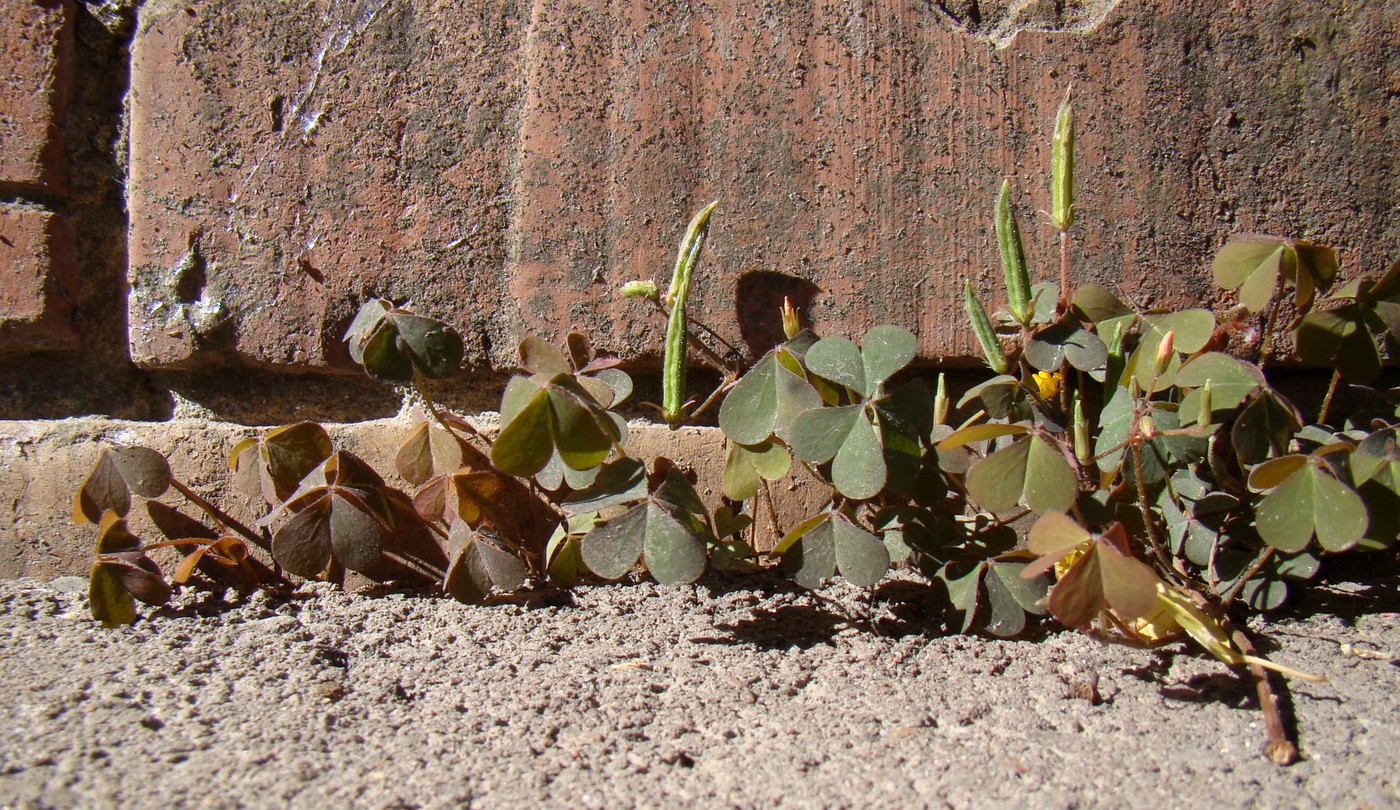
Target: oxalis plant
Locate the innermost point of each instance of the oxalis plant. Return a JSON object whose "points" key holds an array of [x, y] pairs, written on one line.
{"points": [[1131, 473]]}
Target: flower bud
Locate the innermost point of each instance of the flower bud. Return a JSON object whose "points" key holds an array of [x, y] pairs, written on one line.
{"points": [[1147, 428], [791, 323], [1206, 414], [1164, 353]]}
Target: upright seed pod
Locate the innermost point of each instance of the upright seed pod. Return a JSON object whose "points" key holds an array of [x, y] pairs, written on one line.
{"points": [[940, 400], [982, 328], [673, 364], [1082, 448], [1062, 167], [1013, 258], [1205, 415]]}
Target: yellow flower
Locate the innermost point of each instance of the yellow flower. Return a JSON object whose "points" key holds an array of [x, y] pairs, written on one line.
{"points": [[1048, 382]]}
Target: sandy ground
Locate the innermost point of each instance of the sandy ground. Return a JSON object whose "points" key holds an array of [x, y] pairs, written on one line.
{"points": [[727, 693]]}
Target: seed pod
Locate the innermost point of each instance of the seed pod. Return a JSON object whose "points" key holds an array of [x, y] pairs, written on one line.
{"points": [[940, 400], [1206, 414], [673, 364], [639, 289], [1113, 369], [689, 251], [1082, 448], [982, 328], [1013, 258], [1062, 167]]}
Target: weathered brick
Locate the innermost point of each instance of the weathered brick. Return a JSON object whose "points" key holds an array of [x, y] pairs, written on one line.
{"points": [[36, 46], [507, 172], [37, 281]]}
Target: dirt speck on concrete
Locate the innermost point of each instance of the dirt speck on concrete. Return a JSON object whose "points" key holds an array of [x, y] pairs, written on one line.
{"points": [[727, 693]]}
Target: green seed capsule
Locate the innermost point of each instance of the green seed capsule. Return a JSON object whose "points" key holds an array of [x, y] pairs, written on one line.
{"points": [[639, 289], [1013, 258], [673, 364], [982, 328], [1082, 452], [940, 401], [1062, 167], [1205, 415]]}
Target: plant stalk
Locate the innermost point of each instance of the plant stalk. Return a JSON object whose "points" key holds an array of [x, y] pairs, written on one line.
{"points": [[221, 518]]}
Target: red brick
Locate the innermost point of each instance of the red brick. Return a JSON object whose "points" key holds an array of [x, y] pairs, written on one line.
{"points": [[36, 282], [36, 46], [507, 173]]}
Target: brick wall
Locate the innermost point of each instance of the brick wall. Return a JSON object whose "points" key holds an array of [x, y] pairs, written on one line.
{"points": [[195, 196]]}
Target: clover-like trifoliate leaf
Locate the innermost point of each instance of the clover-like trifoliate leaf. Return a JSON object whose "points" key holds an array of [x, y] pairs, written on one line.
{"points": [[428, 451], [1065, 341], [886, 350], [545, 415], [1255, 264], [746, 465], [480, 565], [273, 465], [1311, 503], [392, 343], [1230, 381], [1191, 330], [767, 399], [1343, 338], [658, 533], [1030, 470], [832, 544], [847, 438]]}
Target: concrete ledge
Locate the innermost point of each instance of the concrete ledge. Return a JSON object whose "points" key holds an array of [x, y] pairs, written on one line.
{"points": [[41, 463]]}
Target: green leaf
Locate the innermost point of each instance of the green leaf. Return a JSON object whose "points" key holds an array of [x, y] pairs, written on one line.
{"points": [[108, 601], [427, 451], [980, 433], [1096, 304], [583, 433], [858, 471], [836, 544], [818, 434], [524, 445], [744, 466], [1264, 427], [1230, 381], [1010, 598], [539, 356], [1032, 470], [885, 350], [1275, 471], [1253, 262], [480, 564], [668, 543], [274, 464], [997, 481], [1051, 485], [1340, 338], [621, 481], [839, 360], [1311, 503], [1065, 341], [392, 343], [766, 400], [1191, 329], [998, 395]]}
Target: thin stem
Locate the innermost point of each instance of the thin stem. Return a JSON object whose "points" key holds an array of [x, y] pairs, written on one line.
{"points": [[220, 517], [710, 400], [1154, 537], [420, 385], [1280, 750], [1260, 561], [1269, 326], [1327, 400], [699, 345], [1063, 304]]}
